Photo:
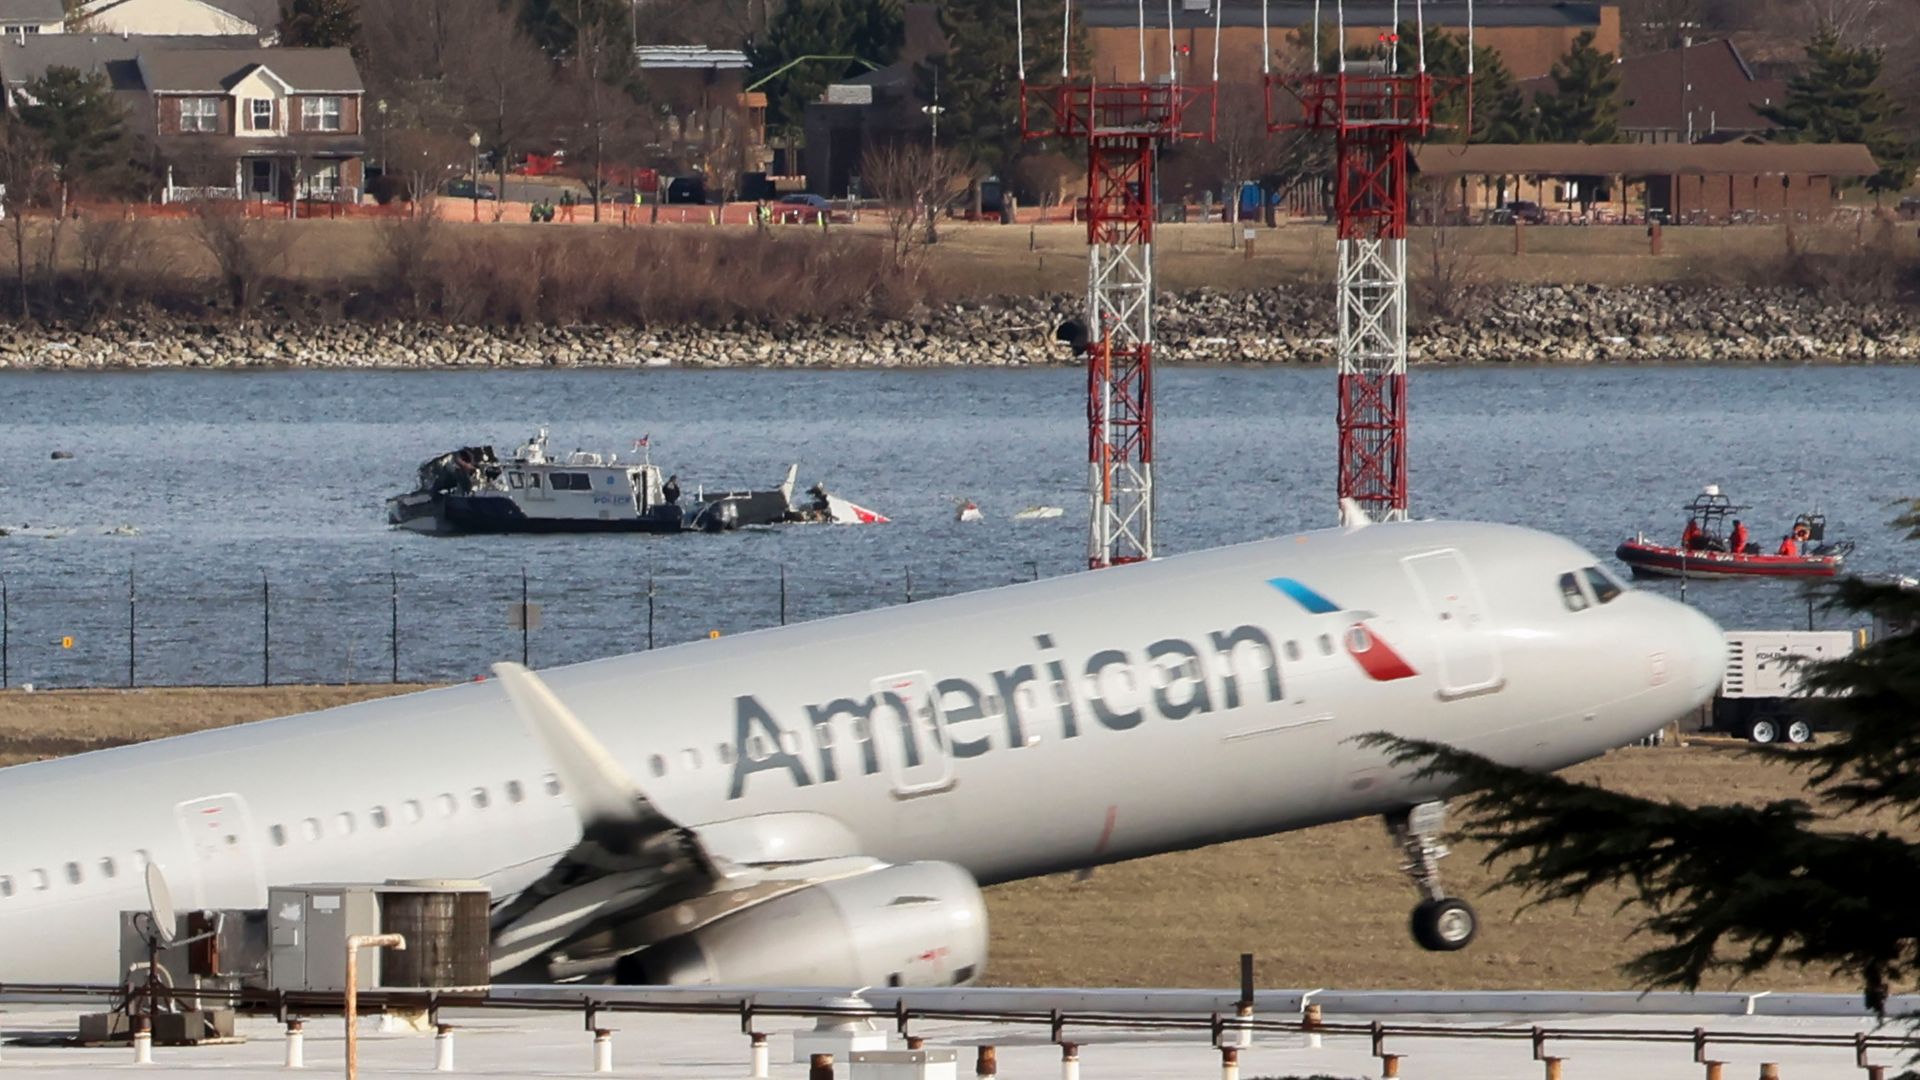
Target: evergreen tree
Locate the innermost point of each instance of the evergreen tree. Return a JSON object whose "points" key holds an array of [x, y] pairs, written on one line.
{"points": [[1838, 100], [81, 128], [1585, 104], [1500, 112], [320, 24], [979, 87], [1729, 888], [868, 30], [556, 26]]}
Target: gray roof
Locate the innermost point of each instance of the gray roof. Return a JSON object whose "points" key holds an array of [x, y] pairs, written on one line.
{"points": [[206, 71], [24, 60], [263, 14], [1288, 14], [32, 11], [661, 57]]}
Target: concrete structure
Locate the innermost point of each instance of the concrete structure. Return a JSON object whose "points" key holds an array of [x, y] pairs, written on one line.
{"points": [[257, 19], [1684, 183], [1528, 36]]}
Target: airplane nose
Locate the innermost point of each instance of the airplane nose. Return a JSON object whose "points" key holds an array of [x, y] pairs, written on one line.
{"points": [[1700, 652]]}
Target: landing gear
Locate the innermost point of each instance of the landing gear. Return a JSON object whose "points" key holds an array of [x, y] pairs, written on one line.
{"points": [[1440, 923]]}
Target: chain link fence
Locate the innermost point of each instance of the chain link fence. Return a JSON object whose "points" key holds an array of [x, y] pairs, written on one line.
{"points": [[149, 630]]}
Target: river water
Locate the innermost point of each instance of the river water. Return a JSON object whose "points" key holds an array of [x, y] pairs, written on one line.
{"points": [[262, 549]]}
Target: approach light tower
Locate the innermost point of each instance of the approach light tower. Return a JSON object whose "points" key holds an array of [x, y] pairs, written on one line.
{"points": [[1123, 126], [1372, 109]]}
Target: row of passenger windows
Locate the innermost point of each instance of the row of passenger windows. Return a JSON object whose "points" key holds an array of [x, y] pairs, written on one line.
{"points": [[73, 873], [410, 812], [1581, 589], [342, 824]]}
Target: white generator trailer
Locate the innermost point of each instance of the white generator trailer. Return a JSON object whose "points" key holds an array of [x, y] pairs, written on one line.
{"points": [[1760, 697]]}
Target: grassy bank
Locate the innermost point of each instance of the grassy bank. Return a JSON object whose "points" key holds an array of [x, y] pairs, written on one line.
{"points": [[519, 273], [1324, 907]]}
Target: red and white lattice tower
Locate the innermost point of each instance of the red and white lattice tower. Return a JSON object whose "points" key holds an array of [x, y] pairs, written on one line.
{"points": [[1123, 126], [1373, 110]]}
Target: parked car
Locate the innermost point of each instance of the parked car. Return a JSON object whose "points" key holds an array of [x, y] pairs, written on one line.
{"points": [[1522, 211], [687, 189], [1909, 207], [467, 189]]}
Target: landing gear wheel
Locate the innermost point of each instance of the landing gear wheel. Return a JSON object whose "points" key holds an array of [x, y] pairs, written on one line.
{"points": [[1444, 925], [1763, 731], [1799, 731]]}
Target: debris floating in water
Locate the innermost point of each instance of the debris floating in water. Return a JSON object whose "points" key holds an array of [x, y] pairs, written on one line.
{"points": [[63, 455], [968, 510], [1038, 513]]}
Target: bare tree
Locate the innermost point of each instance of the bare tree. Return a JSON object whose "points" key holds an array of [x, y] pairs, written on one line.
{"points": [[916, 182], [503, 86], [27, 181], [608, 118], [424, 159], [408, 247], [245, 249], [109, 246], [727, 148], [1449, 279], [1048, 176]]}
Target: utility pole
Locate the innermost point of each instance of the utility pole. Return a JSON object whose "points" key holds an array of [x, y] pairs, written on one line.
{"points": [[934, 110]]}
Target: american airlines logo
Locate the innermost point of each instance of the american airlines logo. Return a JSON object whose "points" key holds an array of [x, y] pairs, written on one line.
{"points": [[1374, 656]]}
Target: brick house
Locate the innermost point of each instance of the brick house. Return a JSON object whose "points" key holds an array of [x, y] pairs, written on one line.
{"points": [[256, 123]]}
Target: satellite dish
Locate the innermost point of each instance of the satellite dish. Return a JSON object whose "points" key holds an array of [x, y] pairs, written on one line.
{"points": [[160, 905]]}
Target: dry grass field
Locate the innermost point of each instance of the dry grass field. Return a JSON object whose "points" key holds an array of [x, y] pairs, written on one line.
{"points": [[1325, 907], [986, 260]]}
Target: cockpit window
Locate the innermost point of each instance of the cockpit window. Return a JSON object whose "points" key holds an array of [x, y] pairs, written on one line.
{"points": [[1570, 593], [1604, 587]]}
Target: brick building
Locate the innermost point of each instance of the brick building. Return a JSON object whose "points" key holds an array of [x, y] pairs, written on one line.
{"points": [[1681, 182]]}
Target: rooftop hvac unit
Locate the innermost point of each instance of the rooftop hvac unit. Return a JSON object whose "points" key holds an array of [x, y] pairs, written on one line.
{"points": [[444, 923]]}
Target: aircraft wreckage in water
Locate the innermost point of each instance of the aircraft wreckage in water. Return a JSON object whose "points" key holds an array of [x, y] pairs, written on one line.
{"points": [[473, 490]]}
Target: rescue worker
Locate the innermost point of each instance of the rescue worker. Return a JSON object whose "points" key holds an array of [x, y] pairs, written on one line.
{"points": [[1737, 543], [1789, 545], [1691, 538], [671, 490]]}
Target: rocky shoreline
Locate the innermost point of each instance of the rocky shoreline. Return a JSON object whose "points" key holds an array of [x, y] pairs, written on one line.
{"points": [[1519, 324]]}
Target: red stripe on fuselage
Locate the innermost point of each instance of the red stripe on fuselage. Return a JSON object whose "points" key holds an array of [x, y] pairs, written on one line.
{"points": [[1376, 657]]}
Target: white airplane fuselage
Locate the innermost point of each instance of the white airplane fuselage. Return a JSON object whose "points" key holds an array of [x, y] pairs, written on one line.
{"points": [[1080, 720]]}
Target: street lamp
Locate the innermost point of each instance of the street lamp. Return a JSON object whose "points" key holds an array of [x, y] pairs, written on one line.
{"points": [[473, 140], [933, 112], [381, 105]]}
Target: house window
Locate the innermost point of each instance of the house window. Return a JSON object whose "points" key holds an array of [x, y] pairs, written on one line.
{"points": [[260, 114], [323, 180], [199, 114], [15, 30], [320, 113]]}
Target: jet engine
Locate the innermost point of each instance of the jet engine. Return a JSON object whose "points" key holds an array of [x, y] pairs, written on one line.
{"points": [[913, 924]]}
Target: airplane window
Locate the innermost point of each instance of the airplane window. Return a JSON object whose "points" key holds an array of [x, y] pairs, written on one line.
{"points": [[756, 748], [6, 887], [693, 758], [659, 765], [515, 793], [1604, 588], [860, 730], [378, 815], [480, 799], [447, 804], [789, 742], [39, 879], [822, 734], [311, 828], [106, 866], [1293, 650], [410, 810], [1326, 645], [73, 873], [278, 834], [344, 823], [553, 784], [141, 859], [1570, 593], [725, 752]]}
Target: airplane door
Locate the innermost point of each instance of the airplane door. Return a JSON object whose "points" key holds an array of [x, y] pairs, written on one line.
{"points": [[1469, 653], [911, 733], [224, 862]]}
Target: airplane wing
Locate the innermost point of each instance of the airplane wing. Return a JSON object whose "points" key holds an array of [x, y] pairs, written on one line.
{"points": [[629, 854]]}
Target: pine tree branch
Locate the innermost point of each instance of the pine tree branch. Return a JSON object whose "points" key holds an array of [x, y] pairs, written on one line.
{"points": [[1726, 889]]}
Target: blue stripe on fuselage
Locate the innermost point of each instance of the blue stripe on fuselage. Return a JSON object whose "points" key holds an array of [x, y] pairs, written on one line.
{"points": [[1307, 598]]}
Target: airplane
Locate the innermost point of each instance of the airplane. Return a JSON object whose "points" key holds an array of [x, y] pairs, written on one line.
{"points": [[821, 804]]}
